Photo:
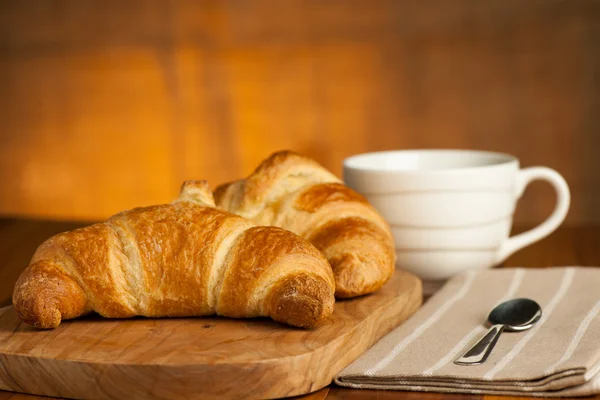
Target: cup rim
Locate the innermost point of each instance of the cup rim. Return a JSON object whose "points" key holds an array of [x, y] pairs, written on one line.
{"points": [[501, 160]]}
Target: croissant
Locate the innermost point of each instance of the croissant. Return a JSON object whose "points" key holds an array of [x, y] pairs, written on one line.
{"points": [[181, 259], [296, 193]]}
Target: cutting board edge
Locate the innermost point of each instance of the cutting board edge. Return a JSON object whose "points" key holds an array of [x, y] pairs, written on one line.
{"points": [[380, 331], [319, 366]]}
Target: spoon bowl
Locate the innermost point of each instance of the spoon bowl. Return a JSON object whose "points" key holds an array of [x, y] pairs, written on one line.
{"points": [[513, 316], [516, 315]]}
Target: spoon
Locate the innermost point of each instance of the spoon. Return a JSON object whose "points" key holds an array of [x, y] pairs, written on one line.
{"points": [[513, 316]]}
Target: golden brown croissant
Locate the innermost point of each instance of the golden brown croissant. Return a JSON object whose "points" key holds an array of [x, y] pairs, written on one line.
{"points": [[181, 259], [295, 193]]}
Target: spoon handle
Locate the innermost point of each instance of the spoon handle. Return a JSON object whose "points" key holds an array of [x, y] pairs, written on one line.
{"points": [[479, 353]]}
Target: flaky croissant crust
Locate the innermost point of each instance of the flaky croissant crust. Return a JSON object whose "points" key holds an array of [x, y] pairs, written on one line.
{"points": [[186, 258], [296, 193]]}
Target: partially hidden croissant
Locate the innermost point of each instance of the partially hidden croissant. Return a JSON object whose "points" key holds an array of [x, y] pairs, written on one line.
{"points": [[181, 259], [296, 193]]}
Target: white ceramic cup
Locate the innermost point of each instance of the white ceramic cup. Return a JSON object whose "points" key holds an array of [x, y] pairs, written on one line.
{"points": [[451, 210]]}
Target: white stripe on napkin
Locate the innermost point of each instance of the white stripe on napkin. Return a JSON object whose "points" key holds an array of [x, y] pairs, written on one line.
{"points": [[592, 372], [577, 338], [547, 311], [384, 362], [479, 329]]}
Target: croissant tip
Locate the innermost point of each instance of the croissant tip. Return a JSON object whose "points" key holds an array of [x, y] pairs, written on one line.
{"points": [[354, 277], [200, 184], [44, 295], [39, 314], [197, 191], [303, 301]]}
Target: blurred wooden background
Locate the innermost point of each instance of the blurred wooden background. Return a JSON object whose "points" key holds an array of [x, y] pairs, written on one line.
{"points": [[109, 105]]}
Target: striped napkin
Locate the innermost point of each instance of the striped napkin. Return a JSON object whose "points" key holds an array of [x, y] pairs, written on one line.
{"points": [[559, 356]]}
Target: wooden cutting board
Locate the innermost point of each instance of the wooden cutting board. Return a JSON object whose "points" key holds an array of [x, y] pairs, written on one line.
{"points": [[196, 358]]}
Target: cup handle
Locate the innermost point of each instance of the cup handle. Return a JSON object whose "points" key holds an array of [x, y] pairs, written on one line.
{"points": [[563, 199]]}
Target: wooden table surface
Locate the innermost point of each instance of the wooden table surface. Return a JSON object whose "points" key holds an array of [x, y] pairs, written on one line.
{"points": [[578, 245]]}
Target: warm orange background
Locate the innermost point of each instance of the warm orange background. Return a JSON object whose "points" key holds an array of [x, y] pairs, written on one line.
{"points": [[109, 105]]}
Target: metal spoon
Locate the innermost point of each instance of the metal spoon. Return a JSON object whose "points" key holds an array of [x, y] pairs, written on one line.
{"points": [[513, 316]]}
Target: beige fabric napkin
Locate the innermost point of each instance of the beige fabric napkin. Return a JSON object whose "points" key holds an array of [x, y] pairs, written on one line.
{"points": [[559, 356]]}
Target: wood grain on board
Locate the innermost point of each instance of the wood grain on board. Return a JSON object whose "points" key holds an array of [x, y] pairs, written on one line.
{"points": [[109, 105], [197, 358]]}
